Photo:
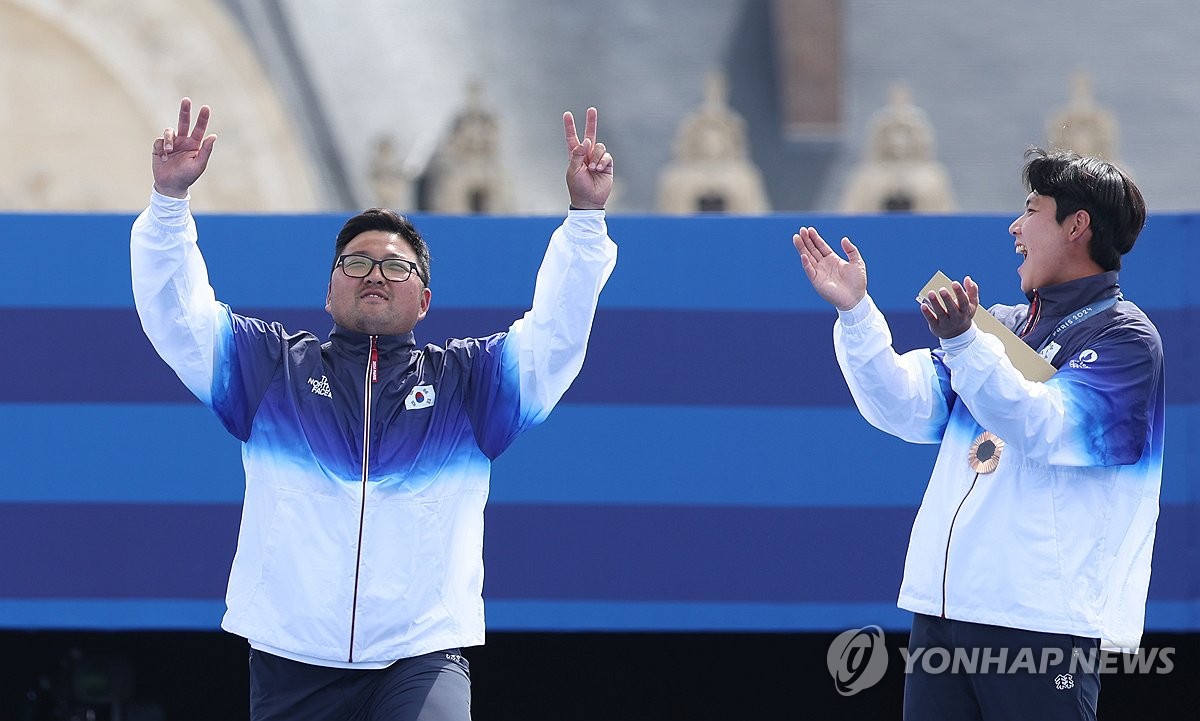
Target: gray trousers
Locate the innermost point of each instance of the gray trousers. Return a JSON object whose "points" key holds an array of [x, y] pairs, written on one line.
{"points": [[432, 687]]}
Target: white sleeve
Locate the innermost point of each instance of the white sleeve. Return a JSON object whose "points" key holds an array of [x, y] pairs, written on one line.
{"points": [[177, 307], [904, 395], [551, 338]]}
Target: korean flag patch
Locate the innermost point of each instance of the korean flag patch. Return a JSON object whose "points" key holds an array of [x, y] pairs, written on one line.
{"points": [[419, 397]]}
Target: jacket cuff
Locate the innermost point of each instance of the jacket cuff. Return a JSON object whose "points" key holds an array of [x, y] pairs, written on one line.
{"points": [[860, 312], [957, 344], [168, 210], [586, 226]]}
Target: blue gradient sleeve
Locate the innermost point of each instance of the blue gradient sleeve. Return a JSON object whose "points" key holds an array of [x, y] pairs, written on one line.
{"points": [[1097, 410], [493, 397], [247, 355], [1108, 395]]}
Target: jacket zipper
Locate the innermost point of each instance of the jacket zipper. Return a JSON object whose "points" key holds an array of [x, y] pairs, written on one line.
{"points": [[372, 378], [1035, 314], [949, 537]]}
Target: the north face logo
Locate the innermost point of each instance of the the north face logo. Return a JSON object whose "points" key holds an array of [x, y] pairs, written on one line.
{"points": [[321, 387]]}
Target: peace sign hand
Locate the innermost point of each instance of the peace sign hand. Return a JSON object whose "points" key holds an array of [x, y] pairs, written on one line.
{"points": [[589, 165], [181, 154]]}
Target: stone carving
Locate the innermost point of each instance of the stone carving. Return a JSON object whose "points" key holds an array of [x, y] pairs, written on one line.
{"points": [[899, 173], [1083, 126], [99, 79], [711, 170], [465, 174], [391, 183]]}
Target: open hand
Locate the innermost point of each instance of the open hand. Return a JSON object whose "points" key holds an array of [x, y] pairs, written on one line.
{"points": [[841, 282]]}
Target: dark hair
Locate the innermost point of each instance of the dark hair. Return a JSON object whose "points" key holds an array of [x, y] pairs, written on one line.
{"points": [[389, 221], [1109, 196]]}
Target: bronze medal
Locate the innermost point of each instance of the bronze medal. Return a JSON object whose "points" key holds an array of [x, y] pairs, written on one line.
{"points": [[985, 452]]}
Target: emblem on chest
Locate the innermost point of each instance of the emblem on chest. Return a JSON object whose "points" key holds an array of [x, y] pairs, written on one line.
{"points": [[421, 396]]}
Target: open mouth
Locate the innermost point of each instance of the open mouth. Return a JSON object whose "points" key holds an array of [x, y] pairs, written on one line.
{"points": [[1022, 250], [372, 294]]}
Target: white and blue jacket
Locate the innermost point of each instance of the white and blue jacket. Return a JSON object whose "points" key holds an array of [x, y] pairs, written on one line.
{"points": [[1059, 537], [367, 459]]}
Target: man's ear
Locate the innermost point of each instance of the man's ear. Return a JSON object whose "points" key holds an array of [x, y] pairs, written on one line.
{"points": [[329, 297], [426, 297], [1078, 224]]}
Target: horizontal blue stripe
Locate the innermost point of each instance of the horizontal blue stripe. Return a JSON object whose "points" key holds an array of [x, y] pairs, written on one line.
{"points": [[534, 616], [116, 551], [625, 455], [173, 454], [747, 456], [712, 358], [711, 262], [549, 553], [583, 454], [766, 617], [625, 616], [108, 615]]}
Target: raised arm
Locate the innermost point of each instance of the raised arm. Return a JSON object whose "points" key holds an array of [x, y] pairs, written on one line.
{"points": [[905, 395], [178, 310], [553, 335]]}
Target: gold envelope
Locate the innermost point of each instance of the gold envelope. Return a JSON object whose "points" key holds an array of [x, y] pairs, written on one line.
{"points": [[1025, 359]]}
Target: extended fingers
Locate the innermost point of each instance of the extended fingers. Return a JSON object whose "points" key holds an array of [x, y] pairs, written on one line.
{"points": [[972, 290], [962, 296], [201, 123], [809, 241], [930, 314], [951, 301], [185, 117], [589, 128], [949, 297], [572, 134]]}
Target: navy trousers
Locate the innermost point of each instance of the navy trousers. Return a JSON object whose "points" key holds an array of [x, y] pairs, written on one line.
{"points": [[1001, 674], [432, 687]]}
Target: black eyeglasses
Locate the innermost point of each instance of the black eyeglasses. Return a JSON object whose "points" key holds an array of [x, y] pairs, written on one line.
{"points": [[360, 266]]}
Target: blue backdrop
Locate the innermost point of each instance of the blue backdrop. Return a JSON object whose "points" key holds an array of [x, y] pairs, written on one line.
{"points": [[707, 471]]}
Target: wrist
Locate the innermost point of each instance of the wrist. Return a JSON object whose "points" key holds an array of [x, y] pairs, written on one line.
{"points": [[171, 192]]}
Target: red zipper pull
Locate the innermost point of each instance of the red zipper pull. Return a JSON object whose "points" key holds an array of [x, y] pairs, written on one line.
{"points": [[374, 361], [1035, 312]]}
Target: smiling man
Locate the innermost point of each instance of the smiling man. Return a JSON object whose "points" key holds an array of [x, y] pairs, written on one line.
{"points": [[1034, 537], [359, 572]]}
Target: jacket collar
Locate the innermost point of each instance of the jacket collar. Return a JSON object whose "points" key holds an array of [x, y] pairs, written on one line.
{"points": [[1063, 298], [358, 345]]}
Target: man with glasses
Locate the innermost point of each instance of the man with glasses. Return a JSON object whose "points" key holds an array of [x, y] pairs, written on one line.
{"points": [[359, 572]]}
